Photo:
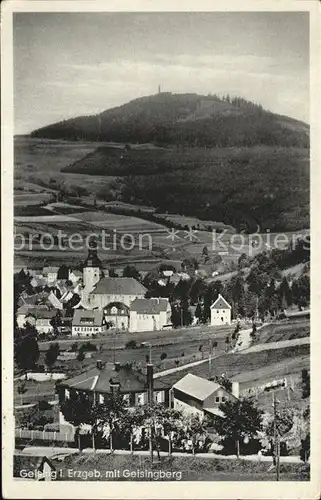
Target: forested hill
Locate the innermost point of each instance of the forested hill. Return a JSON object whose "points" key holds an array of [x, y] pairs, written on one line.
{"points": [[184, 119]]}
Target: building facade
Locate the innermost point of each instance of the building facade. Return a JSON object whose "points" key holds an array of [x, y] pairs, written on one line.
{"points": [[86, 323], [101, 381], [221, 312], [149, 314], [109, 290], [198, 396]]}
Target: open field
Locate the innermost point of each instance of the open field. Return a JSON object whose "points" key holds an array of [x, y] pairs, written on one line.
{"points": [[235, 365], [284, 330]]}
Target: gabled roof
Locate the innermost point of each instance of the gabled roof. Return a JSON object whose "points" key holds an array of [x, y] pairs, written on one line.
{"points": [[121, 308], [119, 286], [196, 387], [149, 306], [42, 313], [220, 303], [83, 317], [98, 380]]}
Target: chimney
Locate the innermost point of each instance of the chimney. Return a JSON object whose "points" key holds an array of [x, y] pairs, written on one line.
{"points": [[100, 364], [236, 389], [114, 386], [117, 366], [150, 382]]}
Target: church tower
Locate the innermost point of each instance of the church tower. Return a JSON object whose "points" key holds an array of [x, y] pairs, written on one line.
{"points": [[92, 267]]}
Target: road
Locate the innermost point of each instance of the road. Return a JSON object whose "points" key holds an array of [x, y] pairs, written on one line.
{"points": [[276, 345]]}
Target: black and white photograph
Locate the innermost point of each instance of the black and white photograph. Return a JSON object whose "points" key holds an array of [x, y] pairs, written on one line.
{"points": [[160, 292]]}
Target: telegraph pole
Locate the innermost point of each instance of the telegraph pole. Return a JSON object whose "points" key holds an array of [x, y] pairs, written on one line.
{"points": [[276, 438]]}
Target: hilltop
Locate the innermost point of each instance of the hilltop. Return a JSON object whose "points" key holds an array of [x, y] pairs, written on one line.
{"points": [[184, 119]]}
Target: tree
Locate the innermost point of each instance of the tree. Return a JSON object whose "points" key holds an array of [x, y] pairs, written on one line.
{"points": [[198, 311], [279, 424], [243, 419], [305, 377], [224, 382], [285, 293], [56, 322], [26, 349], [21, 389], [305, 448], [81, 355], [131, 272], [51, 355]]}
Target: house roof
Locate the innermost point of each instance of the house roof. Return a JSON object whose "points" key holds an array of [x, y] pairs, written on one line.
{"points": [[121, 308], [119, 286], [197, 387], [149, 306], [50, 269], [84, 317], [42, 313], [220, 303], [98, 380]]}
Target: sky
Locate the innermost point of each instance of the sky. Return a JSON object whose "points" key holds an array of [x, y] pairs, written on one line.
{"points": [[73, 64]]}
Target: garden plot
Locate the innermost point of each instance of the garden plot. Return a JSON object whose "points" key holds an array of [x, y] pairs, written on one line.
{"points": [[46, 218], [120, 223]]}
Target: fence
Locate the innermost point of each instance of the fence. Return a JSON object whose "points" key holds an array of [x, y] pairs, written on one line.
{"points": [[45, 435]]}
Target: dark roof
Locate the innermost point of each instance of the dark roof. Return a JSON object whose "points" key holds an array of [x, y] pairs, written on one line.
{"points": [[83, 317], [149, 306], [220, 303], [98, 380], [29, 462], [119, 286], [42, 313], [121, 308]]}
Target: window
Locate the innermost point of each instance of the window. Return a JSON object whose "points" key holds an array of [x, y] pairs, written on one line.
{"points": [[223, 399], [217, 399], [218, 312], [140, 399], [223, 311], [67, 393]]}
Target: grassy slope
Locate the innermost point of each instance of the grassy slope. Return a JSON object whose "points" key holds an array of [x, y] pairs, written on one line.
{"points": [[191, 468]]}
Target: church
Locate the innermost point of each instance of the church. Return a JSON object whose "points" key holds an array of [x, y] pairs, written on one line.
{"points": [[100, 290]]}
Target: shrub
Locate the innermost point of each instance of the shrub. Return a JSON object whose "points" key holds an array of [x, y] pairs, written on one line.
{"points": [[163, 356], [44, 405], [88, 346], [131, 344], [81, 356]]}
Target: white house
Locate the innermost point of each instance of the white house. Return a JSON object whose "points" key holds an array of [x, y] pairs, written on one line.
{"points": [[195, 395], [85, 323], [149, 314], [220, 312], [117, 314], [50, 272]]}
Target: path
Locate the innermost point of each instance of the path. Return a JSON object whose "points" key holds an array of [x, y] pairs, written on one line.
{"points": [[281, 344]]}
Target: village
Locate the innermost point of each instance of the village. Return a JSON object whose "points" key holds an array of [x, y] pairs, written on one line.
{"points": [[87, 339]]}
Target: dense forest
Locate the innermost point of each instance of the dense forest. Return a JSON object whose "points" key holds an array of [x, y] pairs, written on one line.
{"points": [[184, 119], [254, 186], [243, 164]]}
